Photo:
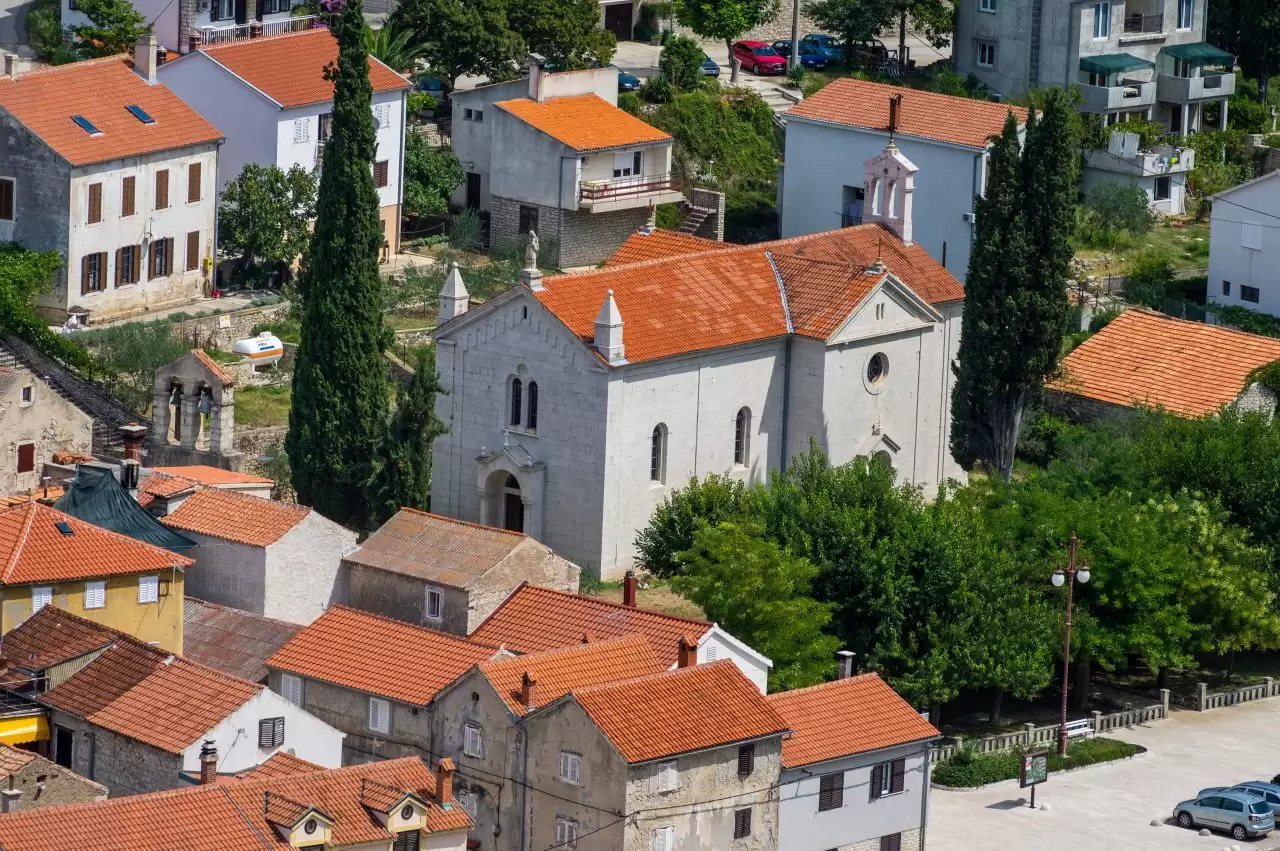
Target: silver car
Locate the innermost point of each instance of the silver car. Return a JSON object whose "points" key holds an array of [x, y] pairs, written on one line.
{"points": [[1242, 814], [1269, 792]]}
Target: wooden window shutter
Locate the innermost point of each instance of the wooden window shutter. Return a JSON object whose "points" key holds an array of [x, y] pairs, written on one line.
{"points": [[26, 457], [380, 173], [831, 791], [137, 263], [877, 780], [6, 200], [193, 183], [168, 256], [95, 203], [193, 251], [899, 770], [119, 266], [128, 194], [84, 274], [162, 189], [266, 733]]}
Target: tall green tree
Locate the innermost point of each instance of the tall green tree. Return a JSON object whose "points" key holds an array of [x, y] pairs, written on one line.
{"points": [[114, 27], [430, 176], [680, 63], [24, 274], [395, 47], [265, 218], [1250, 29], [402, 477], [864, 20], [463, 37], [339, 413], [726, 20], [566, 32]]}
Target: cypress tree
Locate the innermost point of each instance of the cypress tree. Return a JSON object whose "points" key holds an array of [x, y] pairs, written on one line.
{"points": [[403, 471], [339, 413]]}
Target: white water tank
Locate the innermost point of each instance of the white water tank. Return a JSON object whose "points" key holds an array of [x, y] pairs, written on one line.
{"points": [[261, 350]]}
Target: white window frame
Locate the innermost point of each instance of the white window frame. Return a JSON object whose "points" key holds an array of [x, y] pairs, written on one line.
{"points": [[566, 832], [660, 838], [667, 778], [95, 594], [1101, 20], [987, 6], [148, 589], [571, 767], [301, 130], [28, 396], [41, 596], [1186, 14], [472, 740], [381, 116], [624, 164], [291, 688], [433, 594], [990, 48], [379, 720], [1251, 236]]}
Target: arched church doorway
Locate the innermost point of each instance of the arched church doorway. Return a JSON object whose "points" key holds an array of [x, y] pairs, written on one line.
{"points": [[512, 505]]}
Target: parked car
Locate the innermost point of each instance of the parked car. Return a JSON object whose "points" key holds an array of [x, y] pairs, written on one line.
{"points": [[759, 58], [824, 45], [809, 55], [626, 82], [1243, 815], [1269, 792], [709, 67]]}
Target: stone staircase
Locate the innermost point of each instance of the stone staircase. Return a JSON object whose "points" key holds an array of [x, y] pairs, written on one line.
{"points": [[693, 219]]}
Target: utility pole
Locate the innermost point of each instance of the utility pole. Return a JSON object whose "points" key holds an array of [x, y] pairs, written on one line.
{"points": [[794, 59]]}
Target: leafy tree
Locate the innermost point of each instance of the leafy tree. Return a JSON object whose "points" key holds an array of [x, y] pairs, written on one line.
{"points": [[463, 37], [729, 131], [676, 520], [726, 20], [759, 592], [265, 218], [128, 355], [44, 27], [114, 27], [1248, 115], [1250, 29], [23, 276], [1112, 207], [395, 47], [338, 416], [864, 20], [680, 63], [430, 176], [566, 32], [402, 475]]}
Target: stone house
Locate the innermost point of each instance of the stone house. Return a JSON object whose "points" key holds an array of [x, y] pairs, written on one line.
{"points": [[855, 769], [656, 746], [552, 153], [135, 717], [1244, 252], [32, 782], [36, 422], [114, 172], [445, 573], [577, 403], [269, 558], [57, 560], [217, 477], [535, 619], [233, 641], [373, 678], [1146, 359], [398, 805], [477, 721]]}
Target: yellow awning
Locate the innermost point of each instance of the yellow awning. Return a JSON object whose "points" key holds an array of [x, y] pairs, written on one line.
{"points": [[33, 728]]}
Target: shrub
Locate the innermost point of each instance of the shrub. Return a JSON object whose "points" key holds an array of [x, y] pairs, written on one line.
{"points": [[1246, 114], [797, 74], [1272, 141], [1150, 276], [466, 231], [680, 64], [1112, 208], [630, 102], [1149, 132], [642, 32], [1247, 319], [44, 28], [967, 768]]}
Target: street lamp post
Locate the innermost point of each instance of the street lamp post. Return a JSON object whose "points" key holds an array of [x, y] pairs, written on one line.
{"points": [[1069, 577]]}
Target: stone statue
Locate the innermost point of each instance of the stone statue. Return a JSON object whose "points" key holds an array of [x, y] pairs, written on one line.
{"points": [[531, 251]]}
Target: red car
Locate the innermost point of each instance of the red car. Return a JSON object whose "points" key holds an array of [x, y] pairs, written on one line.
{"points": [[759, 58]]}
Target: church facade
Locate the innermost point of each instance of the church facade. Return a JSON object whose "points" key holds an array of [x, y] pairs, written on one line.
{"points": [[577, 403]]}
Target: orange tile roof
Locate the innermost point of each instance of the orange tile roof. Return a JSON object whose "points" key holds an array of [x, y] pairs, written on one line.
{"points": [[944, 118], [32, 549], [843, 717], [556, 672], [238, 517], [584, 122], [163, 485], [51, 636], [678, 711], [45, 101], [660, 243], [229, 816], [378, 655], [213, 475], [214, 367], [428, 546], [695, 296], [303, 56], [534, 619], [1144, 358], [50, 494], [279, 764]]}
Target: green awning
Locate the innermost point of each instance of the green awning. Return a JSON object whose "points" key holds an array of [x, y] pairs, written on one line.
{"points": [[1113, 63], [1201, 53]]}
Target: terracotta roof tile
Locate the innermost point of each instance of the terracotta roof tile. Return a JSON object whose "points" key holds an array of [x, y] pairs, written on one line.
{"points": [[214, 367], [13, 759], [428, 546], [230, 640], [228, 817], [944, 118], [584, 122], [279, 764], [843, 717], [159, 485], [33, 549], [822, 293], [50, 494], [678, 711], [51, 636], [378, 655], [100, 90], [213, 475], [1143, 358], [556, 672], [306, 54], [239, 517], [534, 619], [660, 243]]}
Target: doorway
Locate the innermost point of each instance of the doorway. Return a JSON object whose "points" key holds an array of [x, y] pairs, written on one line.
{"points": [[1175, 118], [512, 506], [617, 20], [473, 191], [63, 742]]}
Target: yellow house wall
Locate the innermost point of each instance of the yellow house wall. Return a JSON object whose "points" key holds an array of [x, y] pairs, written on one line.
{"points": [[159, 623]]}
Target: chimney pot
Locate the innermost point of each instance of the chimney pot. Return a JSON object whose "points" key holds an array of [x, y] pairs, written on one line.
{"points": [[629, 589], [208, 762], [11, 65], [145, 59], [444, 782], [193, 42], [688, 654], [844, 658]]}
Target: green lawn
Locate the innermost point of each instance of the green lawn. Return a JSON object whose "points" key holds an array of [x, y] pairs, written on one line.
{"points": [[1186, 247], [404, 320], [258, 407]]}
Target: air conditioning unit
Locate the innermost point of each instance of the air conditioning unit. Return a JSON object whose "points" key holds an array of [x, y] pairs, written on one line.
{"points": [[203, 5], [970, 217]]}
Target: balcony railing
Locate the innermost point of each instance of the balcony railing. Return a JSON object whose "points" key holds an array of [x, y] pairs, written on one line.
{"points": [[256, 29], [1126, 94], [848, 221], [593, 191], [1138, 24]]}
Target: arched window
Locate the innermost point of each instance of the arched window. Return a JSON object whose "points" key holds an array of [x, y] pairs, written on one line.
{"points": [[531, 421], [658, 454], [892, 192], [742, 436], [516, 388], [875, 197]]}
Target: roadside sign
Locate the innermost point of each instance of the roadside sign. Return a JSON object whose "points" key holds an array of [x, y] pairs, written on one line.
{"points": [[1035, 769]]}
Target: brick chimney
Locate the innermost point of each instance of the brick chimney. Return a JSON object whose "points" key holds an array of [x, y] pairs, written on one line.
{"points": [[444, 782], [629, 589], [528, 691], [208, 762], [145, 59], [688, 655], [132, 434], [193, 42], [844, 659]]}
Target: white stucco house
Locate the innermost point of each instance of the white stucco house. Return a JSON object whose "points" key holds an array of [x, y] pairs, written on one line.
{"points": [[553, 153], [577, 403], [271, 99], [855, 769], [109, 168], [270, 558], [831, 134], [1161, 172], [1244, 245], [181, 24]]}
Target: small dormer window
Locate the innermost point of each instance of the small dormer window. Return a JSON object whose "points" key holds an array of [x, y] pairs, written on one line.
{"points": [[407, 812], [310, 827]]}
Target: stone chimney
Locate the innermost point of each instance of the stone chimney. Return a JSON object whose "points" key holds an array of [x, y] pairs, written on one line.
{"points": [[11, 66], [844, 659], [129, 474], [132, 434], [144, 58], [887, 198], [528, 691], [208, 762], [629, 589], [444, 782], [537, 70], [608, 340], [454, 298], [193, 42], [10, 798], [688, 653]]}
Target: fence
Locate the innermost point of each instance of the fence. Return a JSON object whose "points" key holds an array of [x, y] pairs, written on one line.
{"points": [[255, 29], [1031, 735], [1259, 691]]}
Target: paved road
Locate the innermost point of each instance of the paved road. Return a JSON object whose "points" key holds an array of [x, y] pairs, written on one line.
{"points": [[1111, 806], [12, 32]]}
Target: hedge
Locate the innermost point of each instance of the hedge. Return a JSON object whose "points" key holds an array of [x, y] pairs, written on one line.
{"points": [[968, 768]]}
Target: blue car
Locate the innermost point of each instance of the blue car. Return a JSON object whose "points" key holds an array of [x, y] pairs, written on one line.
{"points": [[1241, 814], [626, 82], [709, 67], [809, 56], [823, 45]]}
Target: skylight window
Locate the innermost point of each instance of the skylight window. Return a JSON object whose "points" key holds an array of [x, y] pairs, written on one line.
{"points": [[64, 527], [86, 125], [140, 114]]}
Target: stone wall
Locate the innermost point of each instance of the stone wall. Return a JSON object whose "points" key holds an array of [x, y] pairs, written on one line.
{"points": [[47, 784], [585, 238], [713, 226], [223, 329], [911, 841], [253, 443], [123, 765]]}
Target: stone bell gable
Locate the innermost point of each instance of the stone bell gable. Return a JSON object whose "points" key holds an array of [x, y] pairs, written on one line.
{"points": [[193, 411]]}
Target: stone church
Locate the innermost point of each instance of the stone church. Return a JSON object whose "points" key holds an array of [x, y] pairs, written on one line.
{"points": [[578, 402]]}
